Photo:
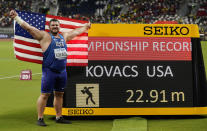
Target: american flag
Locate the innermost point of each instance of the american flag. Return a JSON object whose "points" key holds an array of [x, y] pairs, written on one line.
{"points": [[26, 48]]}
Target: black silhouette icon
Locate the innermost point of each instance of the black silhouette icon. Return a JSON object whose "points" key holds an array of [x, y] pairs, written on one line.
{"points": [[90, 95]]}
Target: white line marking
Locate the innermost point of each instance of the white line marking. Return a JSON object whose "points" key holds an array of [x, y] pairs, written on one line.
{"points": [[17, 76]]}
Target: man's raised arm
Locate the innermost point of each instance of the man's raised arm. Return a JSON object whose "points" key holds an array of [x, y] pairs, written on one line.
{"points": [[70, 35], [36, 33]]}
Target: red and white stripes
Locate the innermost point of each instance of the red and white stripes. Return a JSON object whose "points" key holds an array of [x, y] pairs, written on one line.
{"points": [[27, 49]]}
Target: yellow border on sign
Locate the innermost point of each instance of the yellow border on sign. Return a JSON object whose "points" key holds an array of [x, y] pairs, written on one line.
{"points": [[129, 111], [143, 30]]}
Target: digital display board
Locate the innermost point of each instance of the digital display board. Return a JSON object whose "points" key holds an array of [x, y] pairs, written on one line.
{"points": [[128, 71]]}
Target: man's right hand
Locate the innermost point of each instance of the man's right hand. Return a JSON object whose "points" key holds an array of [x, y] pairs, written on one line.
{"points": [[13, 14]]}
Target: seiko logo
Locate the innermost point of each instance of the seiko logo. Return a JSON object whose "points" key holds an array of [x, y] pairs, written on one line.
{"points": [[81, 112], [166, 30]]}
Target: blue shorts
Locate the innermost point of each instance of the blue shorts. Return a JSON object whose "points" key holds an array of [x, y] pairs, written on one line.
{"points": [[53, 81]]}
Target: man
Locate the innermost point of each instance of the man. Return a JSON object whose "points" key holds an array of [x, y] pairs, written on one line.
{"points": [[54, 75]]}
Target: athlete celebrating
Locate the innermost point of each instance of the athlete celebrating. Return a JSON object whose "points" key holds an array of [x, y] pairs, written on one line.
{"points": [[54, 75]]}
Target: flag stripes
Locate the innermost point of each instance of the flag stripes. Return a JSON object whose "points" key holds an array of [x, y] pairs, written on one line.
{"points": [[26, 48]]}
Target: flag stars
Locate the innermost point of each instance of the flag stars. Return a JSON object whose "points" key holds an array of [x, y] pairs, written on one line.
{"points": [[34, 19]]}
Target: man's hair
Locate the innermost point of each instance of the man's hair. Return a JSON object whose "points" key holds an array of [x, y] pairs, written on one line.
{"points": [[54, 20]]}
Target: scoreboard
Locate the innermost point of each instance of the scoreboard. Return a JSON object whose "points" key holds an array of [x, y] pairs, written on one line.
{"points": [[138, 69]]}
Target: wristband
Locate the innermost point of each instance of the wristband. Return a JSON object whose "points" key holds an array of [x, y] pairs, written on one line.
{"points": [[19, 20]]}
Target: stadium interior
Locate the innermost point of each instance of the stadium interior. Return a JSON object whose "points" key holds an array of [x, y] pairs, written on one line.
{"points": [[18, 105], [113, 11]]}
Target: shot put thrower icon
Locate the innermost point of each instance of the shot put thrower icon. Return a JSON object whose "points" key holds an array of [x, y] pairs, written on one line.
{"points": [[88, 92]]}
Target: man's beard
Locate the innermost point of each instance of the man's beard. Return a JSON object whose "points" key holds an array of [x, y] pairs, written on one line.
{"points": [[54, 32]]}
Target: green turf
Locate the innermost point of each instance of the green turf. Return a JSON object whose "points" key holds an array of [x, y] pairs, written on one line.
{"points": [[130, 124], [178, 123], [18, 103]]}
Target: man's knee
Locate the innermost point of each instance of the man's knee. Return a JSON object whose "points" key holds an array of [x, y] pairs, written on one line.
{"points": [[58, 94], [45, 96]]}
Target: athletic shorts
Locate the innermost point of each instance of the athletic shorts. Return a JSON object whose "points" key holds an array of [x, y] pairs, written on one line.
{"points": [[53, 81]]}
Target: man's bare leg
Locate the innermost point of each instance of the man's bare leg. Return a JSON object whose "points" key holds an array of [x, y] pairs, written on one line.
{"points": [[58, 103], [41, 104]]}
